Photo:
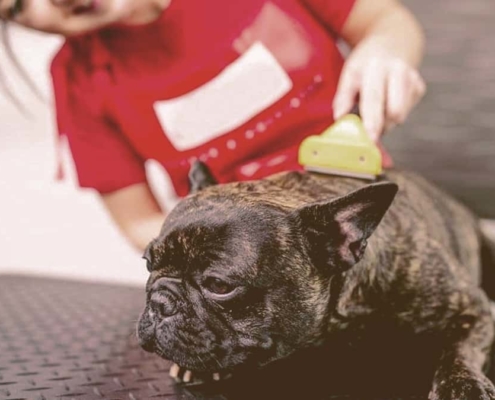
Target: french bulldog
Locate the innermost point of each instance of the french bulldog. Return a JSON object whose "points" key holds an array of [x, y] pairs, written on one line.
{"points": [[248, 273]]}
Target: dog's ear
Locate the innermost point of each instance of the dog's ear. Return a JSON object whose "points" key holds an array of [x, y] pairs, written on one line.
{"points": [[200, 177], [337, 231]]}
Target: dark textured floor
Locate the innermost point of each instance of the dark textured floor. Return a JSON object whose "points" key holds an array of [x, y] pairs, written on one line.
{"points": [[69, 340], [450, 137]]}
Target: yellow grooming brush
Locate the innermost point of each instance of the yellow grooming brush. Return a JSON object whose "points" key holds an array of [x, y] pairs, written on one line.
{"points": [[342, 149]]}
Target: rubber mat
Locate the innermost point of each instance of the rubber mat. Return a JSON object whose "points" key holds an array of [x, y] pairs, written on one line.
{"points": [[70, 340]]}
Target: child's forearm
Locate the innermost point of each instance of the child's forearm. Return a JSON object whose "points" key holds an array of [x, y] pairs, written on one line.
{"points": [[381, 71], [397, 32], [136, 212], [143, 232]]}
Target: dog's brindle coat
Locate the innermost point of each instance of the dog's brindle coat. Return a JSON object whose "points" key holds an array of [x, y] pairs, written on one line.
{"points": [[249, 272]]}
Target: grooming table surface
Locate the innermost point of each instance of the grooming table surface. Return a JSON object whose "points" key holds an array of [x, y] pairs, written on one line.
{"points": [[71, 340], [74, 340]]}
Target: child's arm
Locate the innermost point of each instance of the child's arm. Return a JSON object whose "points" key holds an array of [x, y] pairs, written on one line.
{"points": [[136, 212], [387, 47]]}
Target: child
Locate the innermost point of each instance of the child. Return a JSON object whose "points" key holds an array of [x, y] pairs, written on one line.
{"points": [[237, 84]]}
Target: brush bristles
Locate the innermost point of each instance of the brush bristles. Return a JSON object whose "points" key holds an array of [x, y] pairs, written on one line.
{"points": [[333, 171]]}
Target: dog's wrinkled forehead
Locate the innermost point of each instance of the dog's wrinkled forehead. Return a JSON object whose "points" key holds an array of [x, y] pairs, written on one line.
{"points": [[201, 231], [193, 246]]}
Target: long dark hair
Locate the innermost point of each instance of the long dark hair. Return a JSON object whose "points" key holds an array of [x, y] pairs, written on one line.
{"points": [[20, 70]]}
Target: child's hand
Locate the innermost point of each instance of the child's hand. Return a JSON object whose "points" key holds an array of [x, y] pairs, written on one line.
{"points": [[387, 88]]}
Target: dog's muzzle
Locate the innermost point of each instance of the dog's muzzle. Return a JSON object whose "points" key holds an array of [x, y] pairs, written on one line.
{"points": [[163, 304]]}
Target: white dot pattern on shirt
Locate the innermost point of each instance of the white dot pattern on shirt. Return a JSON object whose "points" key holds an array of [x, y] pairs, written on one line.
{"points": [[213, 153], [261, 126], [295, 102], [231, 144], [250, 169], [249, 134]]}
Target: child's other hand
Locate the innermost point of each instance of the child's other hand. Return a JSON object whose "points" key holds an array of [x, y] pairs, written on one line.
{"points": [[387, 88]]}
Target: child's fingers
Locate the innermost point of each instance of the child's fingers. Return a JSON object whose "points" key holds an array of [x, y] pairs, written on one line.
{"points": [[388, 90], [398, 94], [372, 98], [404, 89], [347, 90], [419, 87]]}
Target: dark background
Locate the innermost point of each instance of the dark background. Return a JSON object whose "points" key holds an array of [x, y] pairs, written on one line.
{"points": [[450, 137]]}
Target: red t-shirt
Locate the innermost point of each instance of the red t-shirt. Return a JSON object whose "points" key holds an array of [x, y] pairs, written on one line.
{"points": [[237, 84]]}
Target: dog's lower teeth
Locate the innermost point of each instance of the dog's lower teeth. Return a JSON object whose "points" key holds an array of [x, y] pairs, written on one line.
{"points": [[187, 376], [174, 371]]}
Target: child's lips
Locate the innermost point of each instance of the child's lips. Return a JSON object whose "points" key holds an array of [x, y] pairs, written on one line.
{"points": [[89, 6]]}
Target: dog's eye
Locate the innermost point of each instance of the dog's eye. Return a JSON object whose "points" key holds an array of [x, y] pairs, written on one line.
{"points": [[217, 286]]}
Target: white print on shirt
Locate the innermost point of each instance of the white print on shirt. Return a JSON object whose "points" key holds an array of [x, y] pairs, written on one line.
{"points": [[242, 90]]}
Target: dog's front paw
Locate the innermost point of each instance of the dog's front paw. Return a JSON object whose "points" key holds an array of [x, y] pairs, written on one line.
{"points": [[462, 387], [190, 378]]}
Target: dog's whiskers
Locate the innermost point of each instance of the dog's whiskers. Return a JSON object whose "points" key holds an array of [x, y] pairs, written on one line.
{"points": [[202, 361], [219, 306]]}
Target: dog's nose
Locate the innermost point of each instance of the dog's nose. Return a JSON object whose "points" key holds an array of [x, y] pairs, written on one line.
{"points": [[163, 304]]}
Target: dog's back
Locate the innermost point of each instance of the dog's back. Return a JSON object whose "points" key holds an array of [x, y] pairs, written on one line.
{"points": [[421, 213]]}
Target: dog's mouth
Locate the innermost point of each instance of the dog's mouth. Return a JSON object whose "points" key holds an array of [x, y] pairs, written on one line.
{"points": [[221, 358], [215, 360], [194, 346]]}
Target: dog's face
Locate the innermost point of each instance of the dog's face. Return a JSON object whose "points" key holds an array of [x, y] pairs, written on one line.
{"points": [[238, 279]]}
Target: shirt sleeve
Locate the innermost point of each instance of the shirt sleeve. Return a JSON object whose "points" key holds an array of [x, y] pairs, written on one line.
{"points": [[333, 13], [104, 160]]}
